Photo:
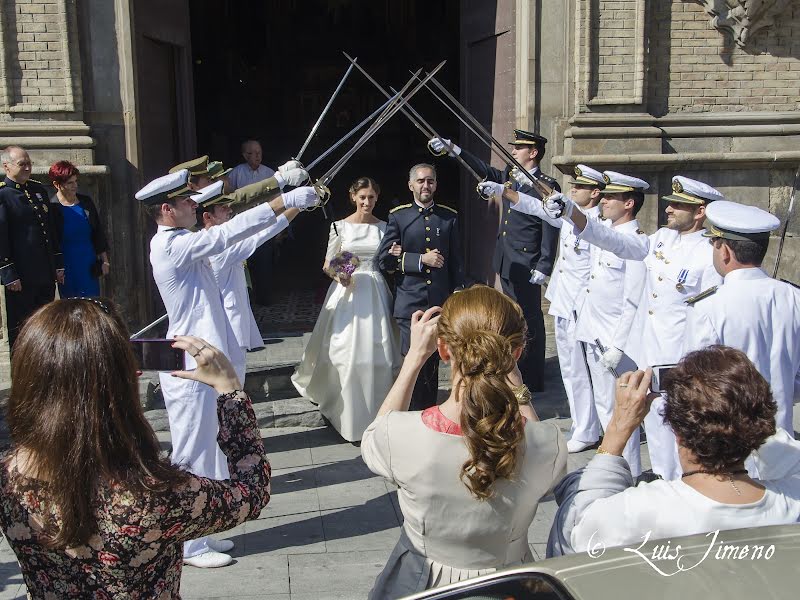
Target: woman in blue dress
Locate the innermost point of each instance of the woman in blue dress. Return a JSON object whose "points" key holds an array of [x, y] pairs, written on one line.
{"points": [[83, 241]]}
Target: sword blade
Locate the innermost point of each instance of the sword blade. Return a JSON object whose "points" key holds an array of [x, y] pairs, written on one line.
{"points": [[324, 111], [509, 159], [789, 214], [349, 134], [390, 111], [149, 327]]}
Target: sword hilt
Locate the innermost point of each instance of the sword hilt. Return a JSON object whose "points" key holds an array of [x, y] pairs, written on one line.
{"points": [[441, 152], [324, 194]]}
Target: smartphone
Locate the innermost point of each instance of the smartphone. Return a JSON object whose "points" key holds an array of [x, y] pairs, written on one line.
{"points": [[659, 372], [158, 355]]}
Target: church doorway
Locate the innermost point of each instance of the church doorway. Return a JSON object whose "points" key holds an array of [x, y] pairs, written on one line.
{"points": [[265, 69]]}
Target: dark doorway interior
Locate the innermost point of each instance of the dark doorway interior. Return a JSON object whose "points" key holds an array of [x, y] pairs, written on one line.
{"points": [[265, 69]]}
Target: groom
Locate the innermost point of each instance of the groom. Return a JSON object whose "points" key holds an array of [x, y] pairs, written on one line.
{"points": [[423, 250]]}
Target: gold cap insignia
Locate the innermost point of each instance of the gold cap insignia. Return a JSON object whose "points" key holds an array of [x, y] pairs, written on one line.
{"points": [[578, 172], [606, 179], [676, 186]]}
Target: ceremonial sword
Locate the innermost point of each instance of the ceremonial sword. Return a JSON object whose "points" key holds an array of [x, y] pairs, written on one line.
{"points": [[149, 327], [603, 349], [487, 138], [325, 111], [789, 214], [416, 119]]}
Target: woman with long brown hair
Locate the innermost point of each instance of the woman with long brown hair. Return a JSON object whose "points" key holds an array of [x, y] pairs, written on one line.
{"points": [[471, 471], [87, 501]]}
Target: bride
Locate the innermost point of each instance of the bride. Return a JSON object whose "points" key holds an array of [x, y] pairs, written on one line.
{"points": [[354, 351]]}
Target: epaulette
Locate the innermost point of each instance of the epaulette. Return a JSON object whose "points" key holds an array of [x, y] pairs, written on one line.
{"points": [[2, 184], [399, 207], [546, 178], [32, 180], [704, 294], [791, 283], [640, 232], [451, 209]]}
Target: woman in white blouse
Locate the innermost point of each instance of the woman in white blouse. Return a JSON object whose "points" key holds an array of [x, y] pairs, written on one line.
{"points": [[721, 410], [471, 471]]}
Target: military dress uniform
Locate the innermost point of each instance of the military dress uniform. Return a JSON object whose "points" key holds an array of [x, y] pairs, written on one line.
{"points": [[524, 244], [568, 281], [750, 311], [29, 250], [182, 271], [418, 230], [679, 266], [609, 303]]}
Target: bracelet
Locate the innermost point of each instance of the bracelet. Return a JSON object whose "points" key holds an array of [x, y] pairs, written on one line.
{"points": [[601, 451], [522, 394], [230, 395]]}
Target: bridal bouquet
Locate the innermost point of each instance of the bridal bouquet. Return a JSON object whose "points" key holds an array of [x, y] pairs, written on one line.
{"points": [[342, 267]]}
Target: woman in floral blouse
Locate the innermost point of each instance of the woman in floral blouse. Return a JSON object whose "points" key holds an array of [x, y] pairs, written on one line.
{"points": [[90, 507]]}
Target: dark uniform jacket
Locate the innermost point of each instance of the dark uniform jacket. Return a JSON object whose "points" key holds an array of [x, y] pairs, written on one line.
{"points": [[524, 243], [29, 248], [418, 230]]}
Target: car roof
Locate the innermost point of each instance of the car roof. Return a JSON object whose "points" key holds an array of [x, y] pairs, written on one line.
{"points": [[689, 568]]}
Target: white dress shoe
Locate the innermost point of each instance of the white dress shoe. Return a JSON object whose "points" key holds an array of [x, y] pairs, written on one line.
{"points": [[219, 545], [574, 446], [208, 560]]}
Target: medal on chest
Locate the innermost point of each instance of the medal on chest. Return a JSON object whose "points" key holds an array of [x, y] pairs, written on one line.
{"points": [[682, 276], [659, 254]]}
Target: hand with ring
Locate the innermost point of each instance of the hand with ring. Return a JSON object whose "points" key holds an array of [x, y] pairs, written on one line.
{"points": [[213, 367], [631, 407]]}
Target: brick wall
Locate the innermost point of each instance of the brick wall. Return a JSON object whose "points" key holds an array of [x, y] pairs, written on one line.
{"points": [[694, 68], [614, 32], [37, 69]]}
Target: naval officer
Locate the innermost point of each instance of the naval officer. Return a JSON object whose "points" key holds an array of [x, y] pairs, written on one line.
{"points": [[229, 267], [750, 311], [30, 255], [525, 250], [422, 249], [185, 280]]}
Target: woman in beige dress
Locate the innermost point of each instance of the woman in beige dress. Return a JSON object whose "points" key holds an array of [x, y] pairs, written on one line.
{"points": [[471, 471]]}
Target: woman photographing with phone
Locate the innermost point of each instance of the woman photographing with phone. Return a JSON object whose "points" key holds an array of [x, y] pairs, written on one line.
{"points": [[88, 502]]}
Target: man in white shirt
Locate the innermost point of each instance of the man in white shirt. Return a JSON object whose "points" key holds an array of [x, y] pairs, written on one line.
{"points": [[750, 311], [251, 170], [182, 272]]}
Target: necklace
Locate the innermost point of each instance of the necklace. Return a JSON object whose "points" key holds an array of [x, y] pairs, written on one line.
{"points": [[729, 475]]}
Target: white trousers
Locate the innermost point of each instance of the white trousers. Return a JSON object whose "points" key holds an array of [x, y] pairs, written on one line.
{"points": [[577, 384], [661, 443], [604, 386], [193, 426]]}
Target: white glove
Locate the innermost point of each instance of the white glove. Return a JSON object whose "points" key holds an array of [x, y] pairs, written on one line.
{"points": [[291, 164], [439, 145], [293, 177], [537, 278], [302, 197], [558, 205], [491, 189], [520, 177], [611, 357]]}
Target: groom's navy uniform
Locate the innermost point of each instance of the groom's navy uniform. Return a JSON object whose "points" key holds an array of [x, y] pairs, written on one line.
{"points": [[524, 244], [418, 230]]}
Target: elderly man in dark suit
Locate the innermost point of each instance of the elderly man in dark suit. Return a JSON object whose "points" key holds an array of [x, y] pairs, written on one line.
{"points": [[526, 246], [30, 255], [423, 250]]}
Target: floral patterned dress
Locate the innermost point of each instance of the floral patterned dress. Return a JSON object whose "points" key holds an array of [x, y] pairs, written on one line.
{"points": [[137, 550]]}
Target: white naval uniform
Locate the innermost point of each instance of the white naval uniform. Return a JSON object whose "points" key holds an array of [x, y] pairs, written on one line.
{"points": [[607, 311], [228, 268], [678, 267], [570, 277], [182, 272], [760, 316]]}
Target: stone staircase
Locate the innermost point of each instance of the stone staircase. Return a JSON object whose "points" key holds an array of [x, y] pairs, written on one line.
{"points": [[268, 381]]}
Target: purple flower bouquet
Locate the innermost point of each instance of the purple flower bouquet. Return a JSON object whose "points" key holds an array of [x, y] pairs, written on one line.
{"points": [[342, 267]]}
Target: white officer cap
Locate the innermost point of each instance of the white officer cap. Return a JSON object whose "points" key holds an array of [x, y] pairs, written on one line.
{"points": [[617, 183], [209, 195], [690, 191], [584, 175], [164, 188], [734, 221]]}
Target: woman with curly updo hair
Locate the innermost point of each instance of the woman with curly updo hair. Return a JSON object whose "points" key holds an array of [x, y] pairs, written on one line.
{"points": [[737, 470], [471, 471]]}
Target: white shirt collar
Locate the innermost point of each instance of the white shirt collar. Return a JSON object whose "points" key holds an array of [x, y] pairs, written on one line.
{"points": [[746, 274]]}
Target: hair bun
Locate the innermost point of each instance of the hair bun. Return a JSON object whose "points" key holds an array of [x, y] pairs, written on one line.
{"points": [[484, 352]]}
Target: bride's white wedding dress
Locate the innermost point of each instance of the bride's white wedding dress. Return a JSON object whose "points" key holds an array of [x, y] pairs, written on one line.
{"points": [[353, 354]]}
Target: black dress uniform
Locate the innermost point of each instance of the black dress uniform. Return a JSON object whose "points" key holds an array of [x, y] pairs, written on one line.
{"points": [[524, 244], [418, 230], [29, 250]]}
